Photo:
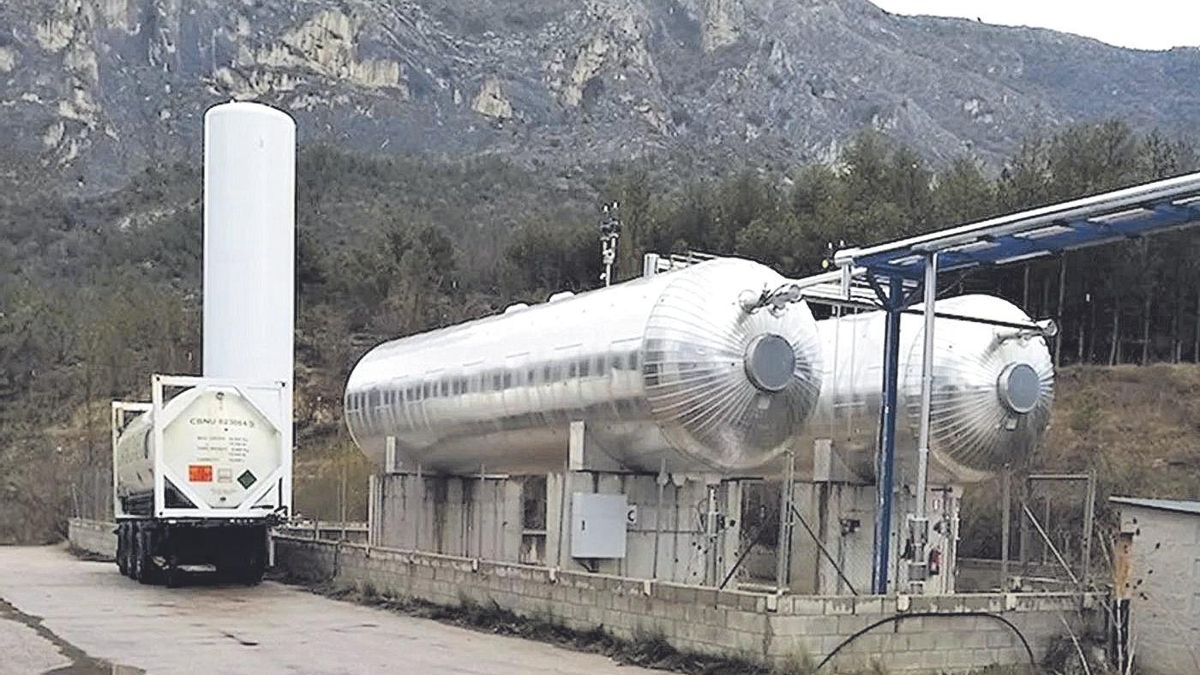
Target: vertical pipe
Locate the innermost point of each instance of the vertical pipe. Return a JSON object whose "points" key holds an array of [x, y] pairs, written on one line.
{"points": [[372, 510], [1089, 519], [1023, 551], [886, 459], [1025, 291], [479, 509], [783, 543], [419, 490], [1046, 524], [1062, 287], [563, 523], [920, 523], [1005, 527], [710, 534], [661, 481]]}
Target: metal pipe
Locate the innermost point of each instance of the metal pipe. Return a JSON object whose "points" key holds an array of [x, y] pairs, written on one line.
{"points": [[662, 485], [887, 441], [479, 508], [710, 532], [1005, 527], [783, 544], [1023, 551], [1058, 315], [1089, 519], [1109, 202], [921, 521], [419, 489]]}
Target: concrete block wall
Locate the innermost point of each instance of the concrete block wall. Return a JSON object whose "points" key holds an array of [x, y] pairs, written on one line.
{"points": [[757, 626], [960, 638], [93, 536]]}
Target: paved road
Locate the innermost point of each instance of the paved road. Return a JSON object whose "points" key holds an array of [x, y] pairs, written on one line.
{"points": [[83, 618]]}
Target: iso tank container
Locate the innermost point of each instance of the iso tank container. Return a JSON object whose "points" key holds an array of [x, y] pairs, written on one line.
{"points": [[993, 386], [668, 370], [217, 449], [199, 476]]}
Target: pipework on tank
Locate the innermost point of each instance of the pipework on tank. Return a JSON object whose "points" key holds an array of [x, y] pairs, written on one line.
{"points": [[777, 299]]}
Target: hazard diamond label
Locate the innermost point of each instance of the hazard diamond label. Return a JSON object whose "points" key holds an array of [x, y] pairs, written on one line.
{"points": [[247, 479]]}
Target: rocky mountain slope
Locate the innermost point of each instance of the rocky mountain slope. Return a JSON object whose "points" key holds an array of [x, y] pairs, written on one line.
{"points": [[93, 89]]}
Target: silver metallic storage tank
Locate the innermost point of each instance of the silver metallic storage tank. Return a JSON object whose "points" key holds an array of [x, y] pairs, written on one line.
{"points": [[992, 390], [667, 368]]}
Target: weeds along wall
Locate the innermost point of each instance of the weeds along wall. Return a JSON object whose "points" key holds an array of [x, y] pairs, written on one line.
{"points": [[969, 631]]}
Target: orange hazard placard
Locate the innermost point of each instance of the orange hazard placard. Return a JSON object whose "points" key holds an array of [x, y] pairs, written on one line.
{"points": [[200, 473]]}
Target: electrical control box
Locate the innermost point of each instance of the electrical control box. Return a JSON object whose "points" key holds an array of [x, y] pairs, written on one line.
{"points": [[598, 525]]}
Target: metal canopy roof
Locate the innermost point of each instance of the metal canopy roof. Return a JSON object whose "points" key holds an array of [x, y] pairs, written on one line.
{"points": [[1177, 505], [1121, 214]]}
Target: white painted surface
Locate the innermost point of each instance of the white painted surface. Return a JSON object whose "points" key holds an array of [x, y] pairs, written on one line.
{"points": [[1166, 593], [249, 248], [215, 442], [598, 525]]}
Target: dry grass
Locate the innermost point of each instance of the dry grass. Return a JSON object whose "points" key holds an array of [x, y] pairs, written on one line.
{"points": [[1139, 427]]}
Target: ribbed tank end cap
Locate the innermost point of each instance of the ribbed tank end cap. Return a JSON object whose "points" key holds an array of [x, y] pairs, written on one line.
{"points": [[770, 362]]}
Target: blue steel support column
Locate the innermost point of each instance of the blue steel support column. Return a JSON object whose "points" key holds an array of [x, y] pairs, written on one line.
{"points": [[886, 459]]}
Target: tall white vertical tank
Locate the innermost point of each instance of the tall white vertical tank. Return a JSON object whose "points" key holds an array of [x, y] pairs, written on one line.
{"points": [[249, 245]]}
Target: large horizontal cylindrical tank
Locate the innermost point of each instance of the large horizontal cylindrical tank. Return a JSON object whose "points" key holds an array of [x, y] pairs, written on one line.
{"points": [[216, 444], [992, 389], [667, 370]]}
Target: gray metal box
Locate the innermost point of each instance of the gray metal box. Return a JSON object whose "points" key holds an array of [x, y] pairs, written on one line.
{"points": [[597, 525]]}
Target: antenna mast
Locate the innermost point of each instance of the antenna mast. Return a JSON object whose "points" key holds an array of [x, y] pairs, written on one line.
{"points": [[610, 232]]}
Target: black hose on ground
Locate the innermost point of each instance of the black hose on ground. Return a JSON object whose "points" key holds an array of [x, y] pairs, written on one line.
{"points": [[914, 615]]}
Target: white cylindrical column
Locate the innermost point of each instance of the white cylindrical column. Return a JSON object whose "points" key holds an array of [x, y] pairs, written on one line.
{"points": [[249, 246]]}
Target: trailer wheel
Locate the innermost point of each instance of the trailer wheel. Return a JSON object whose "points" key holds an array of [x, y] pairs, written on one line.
{"points": [[122, 549], [146, 572], [172, 576], [136, 562], [252, 574]]}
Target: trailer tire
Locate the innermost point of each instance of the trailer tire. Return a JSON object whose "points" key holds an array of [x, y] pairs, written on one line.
{"points": [[122, 549], [135, 555], [146, 572], [173, 576], [252, 575]]}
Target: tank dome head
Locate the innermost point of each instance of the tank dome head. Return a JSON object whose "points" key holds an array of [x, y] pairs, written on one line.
{"points": [[993, 388], [731, 389]]}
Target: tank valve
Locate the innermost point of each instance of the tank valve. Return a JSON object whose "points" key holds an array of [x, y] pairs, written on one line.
{"points": [[777, 299]]}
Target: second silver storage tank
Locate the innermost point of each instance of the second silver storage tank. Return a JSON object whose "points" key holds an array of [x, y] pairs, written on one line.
{"points": [[993, 386], [667, 369]]}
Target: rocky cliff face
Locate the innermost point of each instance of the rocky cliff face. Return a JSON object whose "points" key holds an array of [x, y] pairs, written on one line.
{"points": [[92, 89]]}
